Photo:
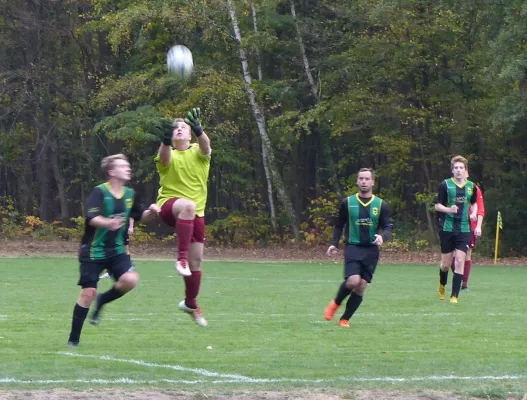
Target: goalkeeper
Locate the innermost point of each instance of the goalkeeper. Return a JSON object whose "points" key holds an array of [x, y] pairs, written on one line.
{"points": [[183, 169]]}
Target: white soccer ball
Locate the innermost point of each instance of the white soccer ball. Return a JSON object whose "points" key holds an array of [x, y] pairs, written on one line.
{"points": [[179, 61]]}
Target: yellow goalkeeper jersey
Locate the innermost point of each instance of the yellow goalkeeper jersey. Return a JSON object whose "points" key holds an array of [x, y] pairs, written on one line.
{"points": [[185, 177]]}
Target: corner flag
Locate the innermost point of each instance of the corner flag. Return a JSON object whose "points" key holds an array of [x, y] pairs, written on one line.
{"points": [[499, 226]]}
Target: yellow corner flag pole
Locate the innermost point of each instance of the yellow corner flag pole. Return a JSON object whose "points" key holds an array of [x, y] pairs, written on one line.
{"points": [[499, 226]]}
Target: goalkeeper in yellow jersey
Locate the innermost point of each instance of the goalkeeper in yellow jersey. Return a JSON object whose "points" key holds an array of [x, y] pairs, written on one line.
{"points": [[183, 169]]}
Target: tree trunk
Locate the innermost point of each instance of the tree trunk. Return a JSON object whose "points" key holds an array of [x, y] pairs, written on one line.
{"points": [[59, 178], [429, 219], [42, 181], [255, 26], [265, 159], [315, 91], [260, 122]]}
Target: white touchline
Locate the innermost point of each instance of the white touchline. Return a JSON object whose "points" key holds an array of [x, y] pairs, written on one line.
{"points": [[236, 378], [199, 371]]}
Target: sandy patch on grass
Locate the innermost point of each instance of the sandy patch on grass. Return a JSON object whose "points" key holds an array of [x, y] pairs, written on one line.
{"points": [[65, 394]]}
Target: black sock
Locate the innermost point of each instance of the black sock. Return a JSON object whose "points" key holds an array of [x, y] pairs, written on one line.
{"points": [[106, 297], [443, 277], [109, 296], [342, 293], [79, 315], [351, 306], [456, 284]]}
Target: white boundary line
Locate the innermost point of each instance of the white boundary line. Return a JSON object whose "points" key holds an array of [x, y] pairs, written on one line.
{"points": [[199, 371], [236, 378]]}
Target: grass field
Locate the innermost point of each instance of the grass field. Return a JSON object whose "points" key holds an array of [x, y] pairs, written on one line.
{"points": [[267, 331]]}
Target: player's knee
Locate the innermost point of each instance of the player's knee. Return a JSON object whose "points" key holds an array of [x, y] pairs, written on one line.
{"points": [[87, 296], [195, 262], [361, 288], [128, 281], [189, 207], [353, 282]]}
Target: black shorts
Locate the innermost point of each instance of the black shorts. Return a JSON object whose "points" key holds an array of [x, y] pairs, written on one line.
{"points": [[91, 269], [361, 260], [451, 241]]}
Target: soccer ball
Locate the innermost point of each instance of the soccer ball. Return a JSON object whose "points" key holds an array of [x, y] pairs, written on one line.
{"points": [[179, 61]]}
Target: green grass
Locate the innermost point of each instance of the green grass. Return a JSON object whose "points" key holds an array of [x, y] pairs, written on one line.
{"points": [[266, 324]]}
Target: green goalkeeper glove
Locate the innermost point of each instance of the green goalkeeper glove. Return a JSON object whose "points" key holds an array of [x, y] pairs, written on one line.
{"points": [[193, 119], [165, 129]]}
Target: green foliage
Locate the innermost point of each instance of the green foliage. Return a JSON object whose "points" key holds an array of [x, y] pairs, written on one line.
{"points": [[400, 86], [322, 213], [240, 230], [10, 219]]}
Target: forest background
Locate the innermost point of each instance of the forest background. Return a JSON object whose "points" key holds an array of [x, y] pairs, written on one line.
{"points": [[295, 95]]}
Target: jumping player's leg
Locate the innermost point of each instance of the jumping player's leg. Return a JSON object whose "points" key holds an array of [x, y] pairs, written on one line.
{"points": [[180, 214], [126, 279], [193, 282]]}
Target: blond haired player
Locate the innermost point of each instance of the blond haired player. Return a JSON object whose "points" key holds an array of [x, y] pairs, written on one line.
{"points": [[454, 197], [102, 247]]}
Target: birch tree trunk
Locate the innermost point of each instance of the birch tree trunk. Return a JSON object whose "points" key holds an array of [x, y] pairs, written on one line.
{"points": [[260, 122], [265, 159]]}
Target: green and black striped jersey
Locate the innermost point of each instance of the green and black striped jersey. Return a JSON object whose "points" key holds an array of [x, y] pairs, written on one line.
{"points": [[363, 218], [102, 243], [449, 193]]}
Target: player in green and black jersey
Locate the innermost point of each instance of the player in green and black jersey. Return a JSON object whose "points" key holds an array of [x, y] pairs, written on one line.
{"points": [[454, 197], [365, 220], [103, 245]]}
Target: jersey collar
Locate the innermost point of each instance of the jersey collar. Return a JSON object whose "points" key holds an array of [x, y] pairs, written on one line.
{"points": [[365, 204], [459, 186], [119, 197]]}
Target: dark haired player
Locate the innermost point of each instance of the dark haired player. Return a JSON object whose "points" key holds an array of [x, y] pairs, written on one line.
{"points": [[366, 220]]}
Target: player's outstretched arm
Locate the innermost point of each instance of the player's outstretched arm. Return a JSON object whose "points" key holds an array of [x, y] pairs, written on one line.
{"points": [[194, 120], [150, 212], [107, 223], [165, 130]]}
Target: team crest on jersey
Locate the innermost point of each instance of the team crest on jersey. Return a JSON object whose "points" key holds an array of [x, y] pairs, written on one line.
{"points": [[375, 211], [128, 203], [469, 191]]}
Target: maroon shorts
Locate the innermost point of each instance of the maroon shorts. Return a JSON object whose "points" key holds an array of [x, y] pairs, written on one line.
{"points": [[473, 240], [198, 236]]}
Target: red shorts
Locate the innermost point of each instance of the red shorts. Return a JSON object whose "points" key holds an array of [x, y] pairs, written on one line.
{"points": [[198, 236]]}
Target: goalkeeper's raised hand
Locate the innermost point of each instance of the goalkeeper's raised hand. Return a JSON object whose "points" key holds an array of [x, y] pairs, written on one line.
{"points": [[193, 119], [165, 130]]}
